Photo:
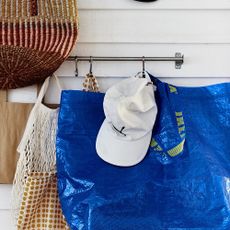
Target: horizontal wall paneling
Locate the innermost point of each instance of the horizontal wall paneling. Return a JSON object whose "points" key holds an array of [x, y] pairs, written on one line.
{"points": [[6, 220], [160, 4], [161, 26]]}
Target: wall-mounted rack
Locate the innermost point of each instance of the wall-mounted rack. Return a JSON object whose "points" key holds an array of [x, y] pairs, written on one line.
{"points": [[178, 59]]}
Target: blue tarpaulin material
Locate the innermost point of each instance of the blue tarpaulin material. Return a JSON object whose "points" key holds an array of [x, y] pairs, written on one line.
{"points": [[183, 182]]}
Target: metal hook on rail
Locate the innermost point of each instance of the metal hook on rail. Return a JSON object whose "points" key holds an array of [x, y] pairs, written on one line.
{"points": [[76, 67], [143, 67], [91, 65]]}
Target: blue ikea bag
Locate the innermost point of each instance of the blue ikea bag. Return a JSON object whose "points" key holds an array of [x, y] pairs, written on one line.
{"points": [[183, 182]]}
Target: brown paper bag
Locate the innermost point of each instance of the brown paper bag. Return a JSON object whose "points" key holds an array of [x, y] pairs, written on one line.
{"points": [[13, 118]]}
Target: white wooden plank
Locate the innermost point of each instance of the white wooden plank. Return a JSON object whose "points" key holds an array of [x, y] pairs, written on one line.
{"points": [[29, 93], [201, 60], [5, 193], [204, 64], [135, 26], [160, 4], [6, 222], [70, 83]]}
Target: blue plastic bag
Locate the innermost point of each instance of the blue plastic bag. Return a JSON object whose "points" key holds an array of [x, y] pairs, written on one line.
{"points": [[183, 182]]}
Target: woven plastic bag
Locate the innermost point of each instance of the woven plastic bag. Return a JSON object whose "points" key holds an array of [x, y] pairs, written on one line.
{"points": [[36, 36], [183, 182], [35, 199]]}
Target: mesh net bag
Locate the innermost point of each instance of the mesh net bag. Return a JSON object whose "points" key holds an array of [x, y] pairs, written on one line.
{"points": [[35, 201], [36, 36]]}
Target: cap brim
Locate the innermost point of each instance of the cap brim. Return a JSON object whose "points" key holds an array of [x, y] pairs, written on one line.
{"points": [[120, 152]]}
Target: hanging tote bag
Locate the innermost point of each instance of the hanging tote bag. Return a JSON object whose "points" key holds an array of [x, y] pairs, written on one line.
{"points": [[36, 36], [183, 182], [13, 118], [35, 199]]}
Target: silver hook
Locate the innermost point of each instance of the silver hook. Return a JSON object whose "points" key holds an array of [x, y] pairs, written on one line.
{"points": [[143, 67], [91, 65], [76, 67]]}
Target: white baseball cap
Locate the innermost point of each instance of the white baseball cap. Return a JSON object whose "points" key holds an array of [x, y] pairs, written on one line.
{"points": [[130, 111]]}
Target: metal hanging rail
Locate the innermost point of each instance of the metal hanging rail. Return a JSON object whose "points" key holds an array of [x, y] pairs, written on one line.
{"points": [[178, 59]]}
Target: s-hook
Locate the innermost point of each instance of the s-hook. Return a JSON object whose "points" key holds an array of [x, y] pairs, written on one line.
{"points": [[143, 67], [91, 65], [76, 66]]}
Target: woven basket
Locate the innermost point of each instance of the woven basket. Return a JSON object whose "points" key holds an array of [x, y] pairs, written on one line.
{"points": [[36, 36]]}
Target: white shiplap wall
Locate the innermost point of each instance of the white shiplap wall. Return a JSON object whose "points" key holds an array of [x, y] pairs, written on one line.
{"points": [[200, 29]]}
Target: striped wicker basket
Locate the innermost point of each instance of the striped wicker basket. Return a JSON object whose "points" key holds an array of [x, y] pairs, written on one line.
{"points": [[36, 36]]}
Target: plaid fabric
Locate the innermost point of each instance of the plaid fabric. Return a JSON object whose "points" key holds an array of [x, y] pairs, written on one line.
{"points": [[36, 36], [40, 209]]}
